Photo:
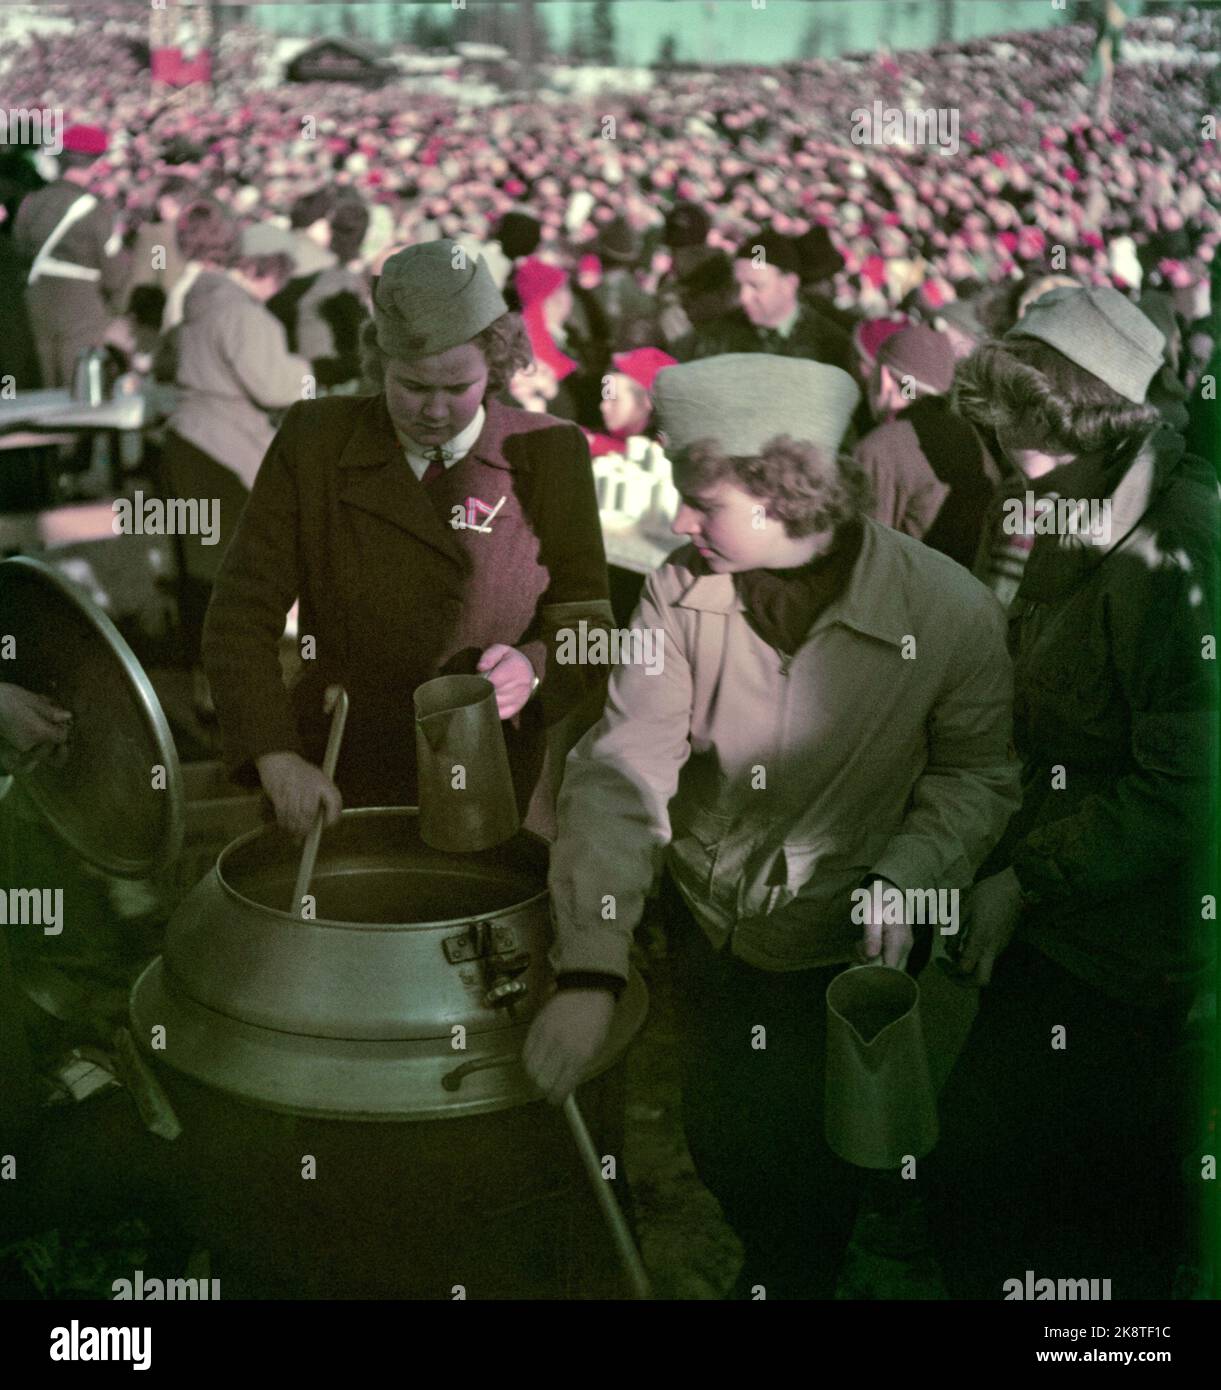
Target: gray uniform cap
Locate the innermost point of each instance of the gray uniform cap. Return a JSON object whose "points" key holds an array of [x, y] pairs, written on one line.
{"points": [[433, 297], [263, 239], [744, 399], [1102, 332]]}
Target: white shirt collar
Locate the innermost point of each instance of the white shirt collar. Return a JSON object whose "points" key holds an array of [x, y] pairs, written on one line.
{"points": [[458, 447]]}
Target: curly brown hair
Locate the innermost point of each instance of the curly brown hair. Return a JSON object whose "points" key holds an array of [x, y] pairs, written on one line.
{"points": [[504, 345], [803, 486], [206, 231], [1026, 383]]}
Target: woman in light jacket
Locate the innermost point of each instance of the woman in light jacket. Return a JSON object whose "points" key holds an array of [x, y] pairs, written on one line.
{"points": [[822, 704], [232, 370]]}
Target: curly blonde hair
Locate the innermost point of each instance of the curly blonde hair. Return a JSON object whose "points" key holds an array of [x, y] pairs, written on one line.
{"points": [[803, 486]]}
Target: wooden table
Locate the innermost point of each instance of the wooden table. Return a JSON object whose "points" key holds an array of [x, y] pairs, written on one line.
{"points": [[39, 418], [55, 410]]}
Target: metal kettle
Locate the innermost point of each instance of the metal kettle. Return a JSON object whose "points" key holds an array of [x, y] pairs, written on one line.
{"points": [[467, 802]]}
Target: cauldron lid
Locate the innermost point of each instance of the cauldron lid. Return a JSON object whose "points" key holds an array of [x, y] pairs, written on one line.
{"points": [[118, 798]]}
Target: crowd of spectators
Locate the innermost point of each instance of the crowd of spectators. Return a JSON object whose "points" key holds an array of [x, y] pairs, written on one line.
{"points": [[753, 147]]}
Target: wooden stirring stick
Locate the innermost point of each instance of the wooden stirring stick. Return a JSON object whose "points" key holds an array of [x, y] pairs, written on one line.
{"points": [[337, 707]]}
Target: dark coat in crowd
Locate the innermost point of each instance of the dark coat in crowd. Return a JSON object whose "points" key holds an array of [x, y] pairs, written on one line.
{"points": [[630, 312], [1204, 414], [587, 340], [931, 476], [323, 314], [697, 290], [813, 337], [393, 595], [18, 353], [18, 357], [823, 304], [1114, 686]]}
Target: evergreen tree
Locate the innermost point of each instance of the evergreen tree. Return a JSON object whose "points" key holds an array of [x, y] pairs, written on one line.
{"points": [[603, 34], [540, 34], [475, 23], [948, 22], [580, 42], [430, 27], [812, 40]]}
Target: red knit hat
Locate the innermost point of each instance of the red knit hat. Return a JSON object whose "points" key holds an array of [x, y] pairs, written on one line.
{"points": [[86, 139], [536, 279], [643, 364]]}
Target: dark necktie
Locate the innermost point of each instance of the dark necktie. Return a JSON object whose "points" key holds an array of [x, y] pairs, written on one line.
{"points": [[772, 341], [437, 458]]}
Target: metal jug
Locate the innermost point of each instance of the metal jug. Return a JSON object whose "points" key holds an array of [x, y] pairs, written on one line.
{"points": [[467, 801], [89, 377], [880, 1105]]}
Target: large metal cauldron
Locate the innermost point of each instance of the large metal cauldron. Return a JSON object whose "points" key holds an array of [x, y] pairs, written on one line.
{"points": [[407, 999]]}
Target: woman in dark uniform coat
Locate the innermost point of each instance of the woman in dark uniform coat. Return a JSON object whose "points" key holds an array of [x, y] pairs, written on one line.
{"points": [[357, 511], [1075, 1114]]}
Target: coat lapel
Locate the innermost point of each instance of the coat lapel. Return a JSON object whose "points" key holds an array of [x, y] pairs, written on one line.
{"points": [[377, 479]]}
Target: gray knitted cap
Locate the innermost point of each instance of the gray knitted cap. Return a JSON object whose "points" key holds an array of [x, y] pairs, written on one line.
{"points": [[1102, 332], [744, 399]]}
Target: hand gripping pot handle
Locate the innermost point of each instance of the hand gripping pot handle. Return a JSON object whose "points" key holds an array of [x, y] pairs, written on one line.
{"points": [[880, 1106]]}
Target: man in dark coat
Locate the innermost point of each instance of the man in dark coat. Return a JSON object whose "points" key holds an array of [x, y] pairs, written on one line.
{"points": [[770, 316], [630, 312], [820, 264], [324, 310], [426, 531], [18, 354], [699, 286], [931, 476]]}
